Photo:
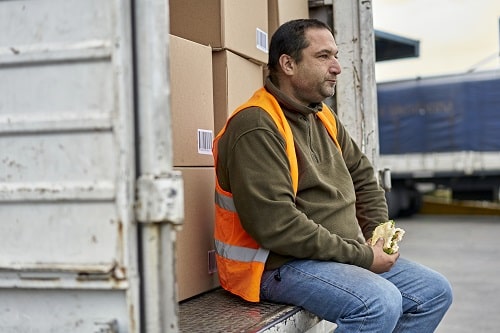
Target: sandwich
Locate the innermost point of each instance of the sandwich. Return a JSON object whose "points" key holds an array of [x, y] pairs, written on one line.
{"points": [[390, 234]]}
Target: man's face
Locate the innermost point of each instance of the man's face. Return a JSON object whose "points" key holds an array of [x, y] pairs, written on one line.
{"points": [[315, 76]]}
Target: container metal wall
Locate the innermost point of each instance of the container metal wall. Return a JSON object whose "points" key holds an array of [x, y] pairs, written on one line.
{"points": [[68, 254]]}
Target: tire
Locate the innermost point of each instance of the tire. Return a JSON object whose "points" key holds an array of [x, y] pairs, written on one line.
{"points": [[393, 203], [403, 202]]}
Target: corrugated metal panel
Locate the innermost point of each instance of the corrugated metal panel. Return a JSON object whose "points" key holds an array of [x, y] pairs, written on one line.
{"points": [[67, 167]]}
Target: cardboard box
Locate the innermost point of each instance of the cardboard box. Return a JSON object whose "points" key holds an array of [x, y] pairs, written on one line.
{"points": [[191, 102], [235, 81], [237, 25], [281, 11], [195, 274]]}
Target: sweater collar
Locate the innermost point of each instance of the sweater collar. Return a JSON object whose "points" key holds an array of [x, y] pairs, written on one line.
{"points": [[288, 103]]}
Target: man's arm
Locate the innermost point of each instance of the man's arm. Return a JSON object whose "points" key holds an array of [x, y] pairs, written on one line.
{"points": [[371, 207]]}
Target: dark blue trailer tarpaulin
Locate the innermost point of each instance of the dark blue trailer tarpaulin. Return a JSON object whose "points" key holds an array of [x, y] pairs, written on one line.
{"points": [[440, 114]]}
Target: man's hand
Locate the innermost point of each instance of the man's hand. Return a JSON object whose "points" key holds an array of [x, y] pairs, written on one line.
{"points": [[382, 262]]}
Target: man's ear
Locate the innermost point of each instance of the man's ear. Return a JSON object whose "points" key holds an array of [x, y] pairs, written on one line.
{"points": [[287, 64]]}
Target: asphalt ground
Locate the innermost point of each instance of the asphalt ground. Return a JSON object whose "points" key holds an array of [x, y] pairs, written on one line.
{"points": [[466, 249]]}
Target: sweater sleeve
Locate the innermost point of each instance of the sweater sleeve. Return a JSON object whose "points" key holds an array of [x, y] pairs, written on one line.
{"points": [[371, 207], [259, 178]]}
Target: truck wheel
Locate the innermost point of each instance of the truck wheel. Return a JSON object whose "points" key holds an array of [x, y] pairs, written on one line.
{"points": [[393, 203], [403, 201], [414, 202]]}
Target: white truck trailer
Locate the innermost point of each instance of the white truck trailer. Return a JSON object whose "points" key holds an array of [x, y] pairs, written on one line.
{"points": [[440, 132], [89, 203]]}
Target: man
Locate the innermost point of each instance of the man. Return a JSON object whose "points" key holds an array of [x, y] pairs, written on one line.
{"points": [[293, 191]]}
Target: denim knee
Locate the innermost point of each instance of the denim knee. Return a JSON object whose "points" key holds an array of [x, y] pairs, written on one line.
{"points": [[444, 294], [388, 303], [378, 312]]}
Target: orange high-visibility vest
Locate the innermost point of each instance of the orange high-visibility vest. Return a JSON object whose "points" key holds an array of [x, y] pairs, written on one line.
{"points": [[240, 260]]}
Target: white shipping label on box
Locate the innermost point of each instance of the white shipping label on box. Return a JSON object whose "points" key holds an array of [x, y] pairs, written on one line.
{"points": [[205, 140], [261, 39]]}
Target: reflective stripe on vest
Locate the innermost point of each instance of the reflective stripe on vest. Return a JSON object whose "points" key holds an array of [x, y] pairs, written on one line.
{"points": [[240, 253], [240, 260], [225, 202]]}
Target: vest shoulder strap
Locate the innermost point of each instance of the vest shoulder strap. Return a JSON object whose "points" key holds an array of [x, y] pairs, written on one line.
{"points": [[263, 99]]}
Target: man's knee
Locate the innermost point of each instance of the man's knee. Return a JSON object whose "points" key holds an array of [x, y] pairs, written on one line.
{"points": [[383, 301], [443, 292], [388, 302], [380, 310]]}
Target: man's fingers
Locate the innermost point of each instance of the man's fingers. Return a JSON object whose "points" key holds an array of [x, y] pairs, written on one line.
{"points": [[380, 242]]}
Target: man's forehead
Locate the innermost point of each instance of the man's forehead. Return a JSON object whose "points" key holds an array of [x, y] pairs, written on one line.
{"points": [[321, 39]]}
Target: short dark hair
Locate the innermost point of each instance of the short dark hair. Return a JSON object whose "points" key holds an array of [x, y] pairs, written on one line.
{"points": [[290, 39]]}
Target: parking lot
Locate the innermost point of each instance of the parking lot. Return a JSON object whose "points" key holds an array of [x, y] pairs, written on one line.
{"points": [[466, 249]]}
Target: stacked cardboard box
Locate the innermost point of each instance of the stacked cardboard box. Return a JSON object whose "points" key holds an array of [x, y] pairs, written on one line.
{"points": [[191, 102], [281, 11], [192, 130], [218, 52], [235, 80], [236, 25], [195, 266]]}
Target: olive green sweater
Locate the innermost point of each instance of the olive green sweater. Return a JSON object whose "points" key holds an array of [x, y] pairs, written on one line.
{"points": [[337, 191]]}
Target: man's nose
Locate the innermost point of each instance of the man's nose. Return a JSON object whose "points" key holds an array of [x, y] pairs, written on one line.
{"points": [[335, 67]]}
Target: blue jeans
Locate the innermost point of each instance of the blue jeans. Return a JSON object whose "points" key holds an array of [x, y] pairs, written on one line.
{"points": [[410, 298]]}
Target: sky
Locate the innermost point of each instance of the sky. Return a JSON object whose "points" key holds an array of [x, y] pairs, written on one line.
{"points": [[455, 36]]}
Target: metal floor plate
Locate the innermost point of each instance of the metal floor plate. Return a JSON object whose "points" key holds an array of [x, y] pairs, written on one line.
{"points": [[220, 311]]}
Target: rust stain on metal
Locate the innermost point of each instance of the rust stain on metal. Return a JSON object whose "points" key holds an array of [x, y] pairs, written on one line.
{"points": [[116, 275], [120, 237], [119, 273], [131, 315]]}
